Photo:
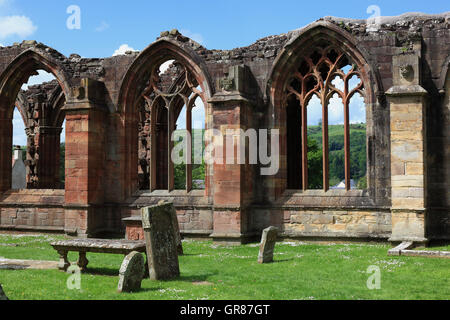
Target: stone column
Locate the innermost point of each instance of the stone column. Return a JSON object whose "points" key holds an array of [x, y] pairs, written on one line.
{"points": [[49, 153], [232, 181], [407, 101], [85, 137], [5, 152]]}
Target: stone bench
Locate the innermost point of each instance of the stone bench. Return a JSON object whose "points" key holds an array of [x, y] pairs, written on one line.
{"points": [[83, 246]]}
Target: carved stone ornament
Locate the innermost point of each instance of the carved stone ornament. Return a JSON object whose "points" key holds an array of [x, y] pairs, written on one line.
{"points": [[407, 72]]}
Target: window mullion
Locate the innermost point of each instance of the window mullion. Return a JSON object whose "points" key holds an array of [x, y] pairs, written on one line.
{"points": [[188, 140], [326, 180], [304, 146], [170, 129], [347, 143], [152, 148]]}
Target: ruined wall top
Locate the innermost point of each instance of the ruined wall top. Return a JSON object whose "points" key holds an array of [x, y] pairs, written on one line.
{"points": [[400, 31]]}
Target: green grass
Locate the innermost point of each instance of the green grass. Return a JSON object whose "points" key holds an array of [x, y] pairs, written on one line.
{"points": [[435, 248], [300, 271]]}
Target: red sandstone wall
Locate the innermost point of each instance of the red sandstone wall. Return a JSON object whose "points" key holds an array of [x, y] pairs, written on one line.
{"points": [[37, 210]]}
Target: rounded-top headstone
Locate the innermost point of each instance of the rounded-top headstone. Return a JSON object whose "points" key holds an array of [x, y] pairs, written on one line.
{"points": [[131, 272], [267, 247]]}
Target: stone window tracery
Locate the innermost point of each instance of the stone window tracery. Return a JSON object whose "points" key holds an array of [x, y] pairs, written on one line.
{"points": [[324, 81], [170, 95]]}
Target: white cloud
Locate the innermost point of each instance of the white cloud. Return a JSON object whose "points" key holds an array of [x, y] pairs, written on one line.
{"points": [[357, 110], [20, 26], [63, 132], [165, 66], [102, 27], [197, 37], [41, 78], [197, 116], [123, 49], [19, 135], [4, 2], [336, 110], [314, 111]]}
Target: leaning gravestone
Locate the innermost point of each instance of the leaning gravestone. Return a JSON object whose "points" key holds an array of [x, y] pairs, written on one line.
{"points": [[269, 239], [3, 296], [176, 227], [161, 242], [131, 273]]}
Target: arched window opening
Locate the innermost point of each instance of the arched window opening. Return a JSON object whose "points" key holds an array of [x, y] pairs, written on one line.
{"points": [[336, 142], [198, 116], [180, 136], [315, 142], [171, 126], [325, 117], [358, 142], [37, 127], [294, 143]]}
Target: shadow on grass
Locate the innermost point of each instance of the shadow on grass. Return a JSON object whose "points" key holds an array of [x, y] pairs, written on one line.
{"points": [[283, 260], [102, 272], [196, 277]]}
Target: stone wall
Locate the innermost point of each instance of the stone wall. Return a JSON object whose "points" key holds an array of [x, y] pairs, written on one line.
{"points": [[33, 210], [408, 135]]}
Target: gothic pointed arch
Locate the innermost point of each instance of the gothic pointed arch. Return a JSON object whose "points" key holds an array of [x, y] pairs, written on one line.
{"points": [[140, 91], [21, 68], [307, 67], [17, 73]]}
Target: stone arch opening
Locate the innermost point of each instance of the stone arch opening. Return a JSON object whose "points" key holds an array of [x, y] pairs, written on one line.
{"points": [[164, 82], [321, 63], [40, 106]]}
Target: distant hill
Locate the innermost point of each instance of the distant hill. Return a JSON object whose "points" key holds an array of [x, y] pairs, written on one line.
{"points": [[358, 154]]}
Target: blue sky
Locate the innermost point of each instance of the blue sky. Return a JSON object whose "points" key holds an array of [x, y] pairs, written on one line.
{"points": [[219, 24], [106, 26]]}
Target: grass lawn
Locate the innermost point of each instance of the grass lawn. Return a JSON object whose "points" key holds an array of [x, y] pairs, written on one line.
{"points": [[435, 248], [211, 272]]}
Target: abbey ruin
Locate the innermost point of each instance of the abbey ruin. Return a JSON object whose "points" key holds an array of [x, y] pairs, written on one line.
{"points": [[120, 113]]}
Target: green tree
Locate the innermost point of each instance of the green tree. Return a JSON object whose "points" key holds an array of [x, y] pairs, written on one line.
{"points": [[315, 165]]}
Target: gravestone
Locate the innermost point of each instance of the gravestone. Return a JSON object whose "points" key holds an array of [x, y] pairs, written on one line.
{"points": [[161, 242], [3, 296], [268, 241], [131, 273], [19, 171], [176, 226]]}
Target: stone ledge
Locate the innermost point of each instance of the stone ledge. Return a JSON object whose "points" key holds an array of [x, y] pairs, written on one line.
{"points": [[334, 235], [32, 228], [411, 90], [417, 240], [404, 249], [235, 238]]}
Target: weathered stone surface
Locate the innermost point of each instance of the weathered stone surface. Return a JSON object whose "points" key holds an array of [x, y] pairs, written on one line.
{"points": [[402, 246], [161, 242], [108, 162], [83, 246], [176, 226], [2, 294], [14, 264], [131, 273], [268, 241]]}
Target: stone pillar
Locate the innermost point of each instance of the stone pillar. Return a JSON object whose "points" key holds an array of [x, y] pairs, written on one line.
{"points": [[5, 152], [232, 181], [407, 101], [84, 189], [49, 152]]}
